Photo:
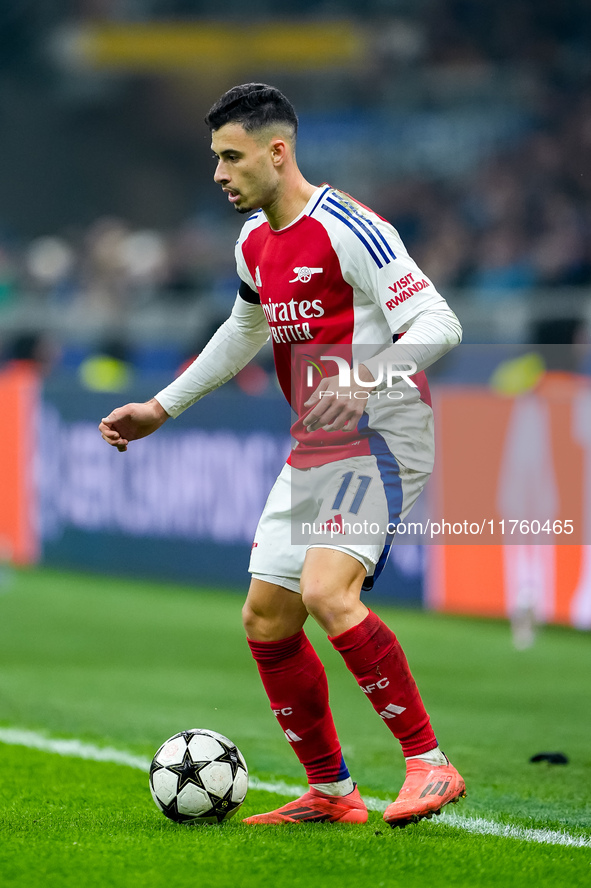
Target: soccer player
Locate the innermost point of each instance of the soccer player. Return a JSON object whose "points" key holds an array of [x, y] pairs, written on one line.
{"points": [[333, 285]]}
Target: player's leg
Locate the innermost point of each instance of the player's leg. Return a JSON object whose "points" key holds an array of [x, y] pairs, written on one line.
{"points": [[374, 655], [296, 685], [331, 588], [290, 669], [331, 585]]}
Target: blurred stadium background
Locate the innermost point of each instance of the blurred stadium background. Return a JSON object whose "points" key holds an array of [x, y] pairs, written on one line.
{"points": [[466, 123]]}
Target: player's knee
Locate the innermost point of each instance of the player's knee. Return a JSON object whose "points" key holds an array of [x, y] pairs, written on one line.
{"points": [[336, 607], [321, 597], [260, 624], [252, 620]]}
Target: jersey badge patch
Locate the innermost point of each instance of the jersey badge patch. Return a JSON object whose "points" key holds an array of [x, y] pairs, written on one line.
{"points": [[303, 274]]}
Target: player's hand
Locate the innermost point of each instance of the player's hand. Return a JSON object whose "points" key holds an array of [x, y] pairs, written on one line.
{"points": [[131, 422], [335, 407]]}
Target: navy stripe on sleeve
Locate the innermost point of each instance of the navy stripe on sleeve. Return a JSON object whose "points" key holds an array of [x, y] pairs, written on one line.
{"points": [[358, 234], [365, 226], [383, 239]]}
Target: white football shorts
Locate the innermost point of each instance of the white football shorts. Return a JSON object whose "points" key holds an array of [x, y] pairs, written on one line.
{"points": [[352, 505]]}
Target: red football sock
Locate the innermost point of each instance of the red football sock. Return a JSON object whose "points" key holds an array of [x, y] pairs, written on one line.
{"points": [[296, 685], [374, 655]]}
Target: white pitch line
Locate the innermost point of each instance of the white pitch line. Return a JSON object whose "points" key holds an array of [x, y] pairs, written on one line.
{"points": [[74, 748], [490, 828], [478, 825]]}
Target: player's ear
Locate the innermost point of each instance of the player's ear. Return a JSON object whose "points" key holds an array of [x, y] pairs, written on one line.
{"points": [[279, 151]]}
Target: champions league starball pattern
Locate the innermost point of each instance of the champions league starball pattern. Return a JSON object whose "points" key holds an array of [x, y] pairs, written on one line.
{"points": [[198, 776]]}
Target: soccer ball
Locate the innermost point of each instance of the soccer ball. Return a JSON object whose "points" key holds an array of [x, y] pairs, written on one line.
{"points": [[198, 776]]}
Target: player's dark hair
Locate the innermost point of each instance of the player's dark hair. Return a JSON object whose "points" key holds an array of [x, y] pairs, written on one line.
{"points": [[253, 106]]}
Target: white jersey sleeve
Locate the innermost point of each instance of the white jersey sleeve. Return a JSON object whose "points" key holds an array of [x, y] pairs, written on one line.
{"points": [[244, 274], [375, 261], [230, 349], [430, 336]]}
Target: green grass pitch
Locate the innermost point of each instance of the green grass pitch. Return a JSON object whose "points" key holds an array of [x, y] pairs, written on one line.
{"points": [[127, 664]]}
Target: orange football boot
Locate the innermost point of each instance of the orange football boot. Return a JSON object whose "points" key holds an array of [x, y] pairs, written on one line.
{"points": [[425, 791], [316, 807]]}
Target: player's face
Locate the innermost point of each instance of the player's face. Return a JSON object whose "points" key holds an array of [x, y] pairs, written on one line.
{"points": [[246, 169]]}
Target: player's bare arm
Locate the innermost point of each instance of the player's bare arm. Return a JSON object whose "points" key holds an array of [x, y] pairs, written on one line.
{"points": [[133, 421]]}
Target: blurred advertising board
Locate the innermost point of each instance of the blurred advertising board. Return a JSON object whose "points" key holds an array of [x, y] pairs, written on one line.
{"points": [[510, 501], [19, 399]]}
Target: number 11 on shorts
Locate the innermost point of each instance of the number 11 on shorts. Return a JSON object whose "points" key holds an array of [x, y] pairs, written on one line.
{"points": [[364, 482]]}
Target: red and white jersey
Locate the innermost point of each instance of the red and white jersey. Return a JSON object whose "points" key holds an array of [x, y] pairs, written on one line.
{"points": [[340, 276]]}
